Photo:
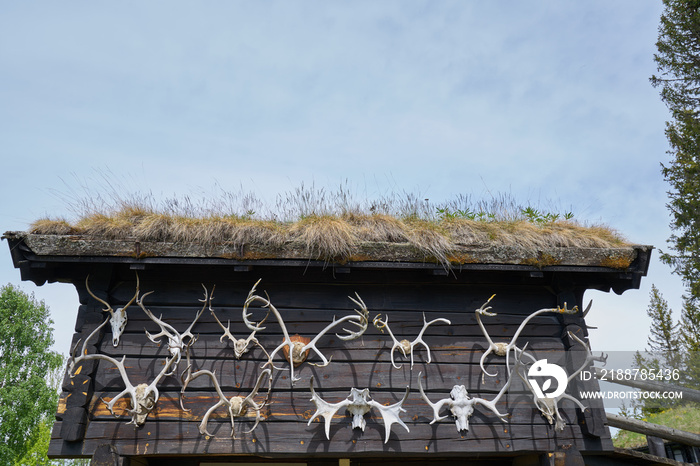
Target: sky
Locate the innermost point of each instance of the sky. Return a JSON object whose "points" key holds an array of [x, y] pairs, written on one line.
{"points": [[545, 101]]}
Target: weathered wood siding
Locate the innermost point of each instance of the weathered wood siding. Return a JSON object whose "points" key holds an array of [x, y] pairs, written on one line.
{"points": [[308, 299]]}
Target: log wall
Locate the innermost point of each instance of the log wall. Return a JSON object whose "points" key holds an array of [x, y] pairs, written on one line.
{"points": [[308, 298]]}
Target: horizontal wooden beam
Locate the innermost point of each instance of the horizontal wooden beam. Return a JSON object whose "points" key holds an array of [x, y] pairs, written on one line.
{"points": [[647, 428]]}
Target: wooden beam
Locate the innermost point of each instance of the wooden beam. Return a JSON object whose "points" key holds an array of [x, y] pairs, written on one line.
{"points": [[647, 428]]}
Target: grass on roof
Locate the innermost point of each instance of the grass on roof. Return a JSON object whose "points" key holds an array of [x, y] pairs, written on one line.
{"points": [[329, 223]]}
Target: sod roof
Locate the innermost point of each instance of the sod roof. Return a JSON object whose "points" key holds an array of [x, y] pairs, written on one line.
{"points": [[334, 238]]}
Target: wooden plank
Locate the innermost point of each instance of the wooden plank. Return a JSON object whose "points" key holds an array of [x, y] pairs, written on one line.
{"points": [[374, 375], [447, 349], [312, 322], [298, 407], [287, 439], [379, 297]]}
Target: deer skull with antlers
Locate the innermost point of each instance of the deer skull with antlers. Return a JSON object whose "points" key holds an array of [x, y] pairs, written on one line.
{"points": [[548, 404], [462, 406], [237, 405], [118, 318], [240, 345], [143, 396], [298, 349], [503, 348], [177, 342], [358, 403]]}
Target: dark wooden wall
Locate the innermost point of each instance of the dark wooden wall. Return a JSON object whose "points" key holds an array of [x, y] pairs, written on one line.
{"points": [[308, 298]]}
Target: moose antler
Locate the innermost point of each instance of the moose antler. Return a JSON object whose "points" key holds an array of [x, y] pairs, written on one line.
{"points": [[118, 318], [177, 342], [240, 345], [504, 349], [297, 349], [406, 346], [237, 405], [143, 396], [358, 403], [548, 404]]}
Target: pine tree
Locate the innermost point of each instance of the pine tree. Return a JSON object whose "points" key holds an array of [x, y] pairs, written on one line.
{"points": [[663, 336], [678, 62]]}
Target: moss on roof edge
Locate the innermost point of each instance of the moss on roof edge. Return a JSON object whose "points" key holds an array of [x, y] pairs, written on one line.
{"points": [[619, 258]]}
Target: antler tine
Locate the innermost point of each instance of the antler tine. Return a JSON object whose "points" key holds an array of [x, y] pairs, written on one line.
{"points": [[161, 324], [207, 301], [384, 324], [222, 399], [436, 406], [249, 400], [589, 355], [184, 380], [109, 308], [481, 363], [361, 320], [72, 361], [419, 338], [484, 310], [266, 303], [136, 294]]}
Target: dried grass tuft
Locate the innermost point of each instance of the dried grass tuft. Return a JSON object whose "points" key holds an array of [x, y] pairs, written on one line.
{"points": [[430, 238], [378, 228], [326, 236], [53, 226]]}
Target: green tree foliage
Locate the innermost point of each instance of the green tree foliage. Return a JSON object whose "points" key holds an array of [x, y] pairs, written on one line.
{"points": [[663, 337], [678, 64], [670, 345], [27, 399]]}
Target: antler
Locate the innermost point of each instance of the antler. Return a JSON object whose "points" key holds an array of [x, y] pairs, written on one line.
{"points": [[299, 348], [118, 318], [177, 342], [143, 397], [405, 346], [548, 404], [358, 403], [504, 349], [240, 345], [237, 405], [462, 406]]}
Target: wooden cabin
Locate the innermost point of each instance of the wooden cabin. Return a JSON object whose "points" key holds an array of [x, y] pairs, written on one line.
{"points": [[401, 289]]}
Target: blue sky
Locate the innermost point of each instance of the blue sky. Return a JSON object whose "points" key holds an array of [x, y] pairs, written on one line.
{"points": [[548, 101]]}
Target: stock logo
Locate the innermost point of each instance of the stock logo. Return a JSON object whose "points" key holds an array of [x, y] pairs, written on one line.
{"points": [[543, 370]]}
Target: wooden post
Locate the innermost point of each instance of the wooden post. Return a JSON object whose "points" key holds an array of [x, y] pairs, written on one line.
{"points": [[656, 446], [106, 455]]}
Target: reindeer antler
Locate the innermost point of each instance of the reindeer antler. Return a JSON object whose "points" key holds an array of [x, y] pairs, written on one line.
{"points": [[360, 320], [502, 348], [177, 342], [143, 397], [237, 405], [548, 404], [119, 317], [240, 345], [406, 346]]}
